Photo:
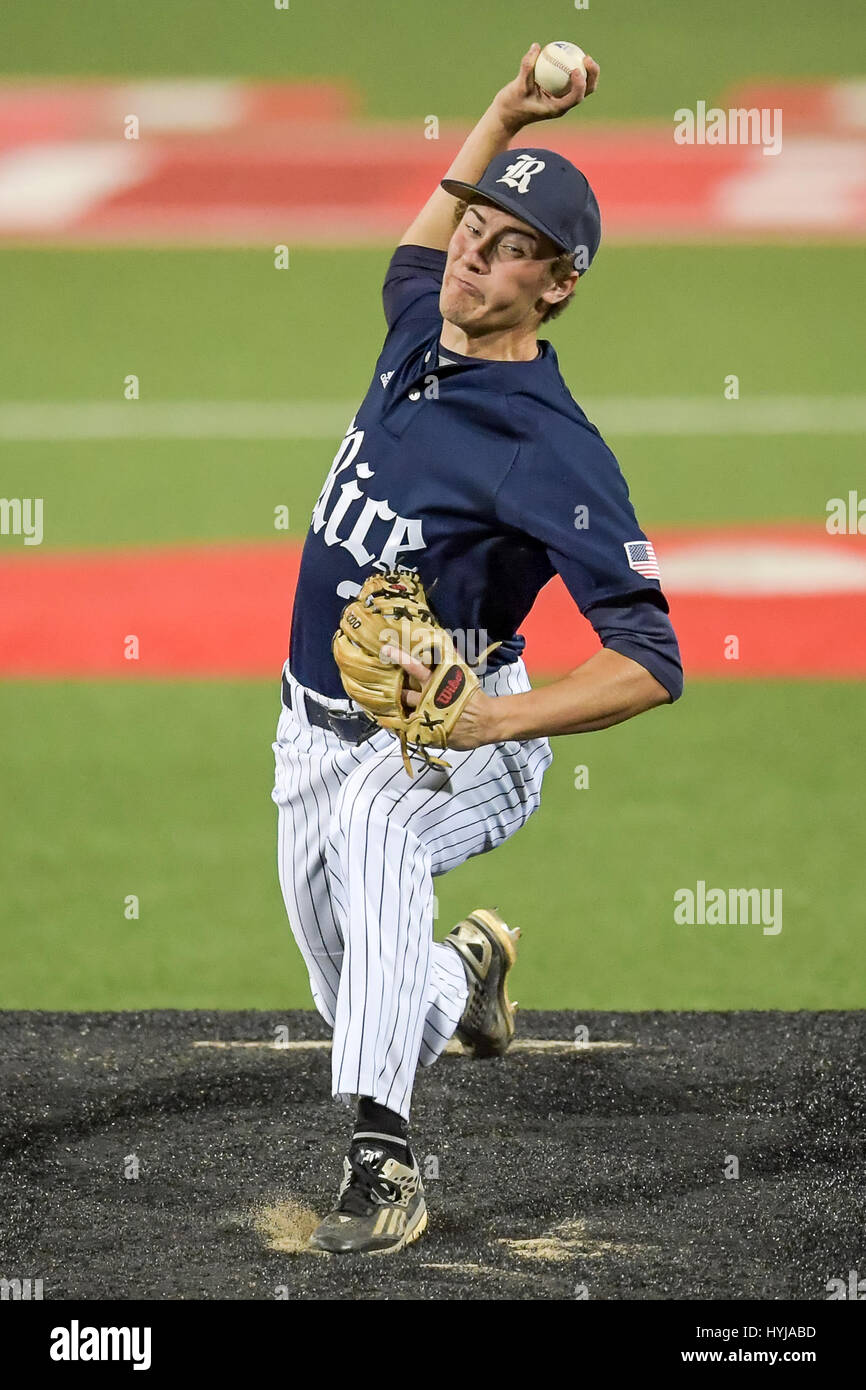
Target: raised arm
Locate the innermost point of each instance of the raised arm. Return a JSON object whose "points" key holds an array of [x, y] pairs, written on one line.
{"points": [[518, 104]]}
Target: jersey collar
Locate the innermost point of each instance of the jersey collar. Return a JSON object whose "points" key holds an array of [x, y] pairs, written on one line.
{"points": [[453, 356]]}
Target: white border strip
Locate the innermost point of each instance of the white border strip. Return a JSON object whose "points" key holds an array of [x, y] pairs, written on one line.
{"points": [[56, 422], [324, 1045]]}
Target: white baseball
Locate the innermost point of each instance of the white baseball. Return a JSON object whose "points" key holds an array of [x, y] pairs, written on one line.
{"points": [[555, 64]]}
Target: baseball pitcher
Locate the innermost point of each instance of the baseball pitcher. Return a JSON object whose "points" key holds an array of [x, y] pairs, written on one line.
{"points": [[410, 737]]}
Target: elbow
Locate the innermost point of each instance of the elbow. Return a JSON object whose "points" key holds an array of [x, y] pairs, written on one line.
{"points": [[661, 667], [673, 684], [655, 693], [641, 631]]}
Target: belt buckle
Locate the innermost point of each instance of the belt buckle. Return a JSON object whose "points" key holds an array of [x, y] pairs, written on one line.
{"points": [[371, 729], [334, 719], [352, 719]]}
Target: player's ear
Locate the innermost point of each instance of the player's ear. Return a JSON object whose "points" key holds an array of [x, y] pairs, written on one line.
{"points": [[560, 289]]}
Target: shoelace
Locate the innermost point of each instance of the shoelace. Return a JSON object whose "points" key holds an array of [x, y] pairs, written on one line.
{"points": [[365, 1186]]}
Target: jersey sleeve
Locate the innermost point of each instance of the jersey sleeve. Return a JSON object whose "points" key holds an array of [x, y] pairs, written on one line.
{"points": [[636, 627], [412, 284], [573, 499]]}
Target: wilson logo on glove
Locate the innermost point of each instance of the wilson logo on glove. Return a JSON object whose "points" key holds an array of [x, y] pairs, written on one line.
{"points": [[450, 688], [393, 608]]}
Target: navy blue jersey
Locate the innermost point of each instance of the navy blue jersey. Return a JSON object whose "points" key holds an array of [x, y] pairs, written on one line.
{"points": [[484, 477]]}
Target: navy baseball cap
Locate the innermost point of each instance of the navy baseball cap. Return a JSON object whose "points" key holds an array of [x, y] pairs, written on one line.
{"points": [[545, 190]]}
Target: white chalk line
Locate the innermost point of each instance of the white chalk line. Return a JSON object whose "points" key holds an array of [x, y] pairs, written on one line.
{"points": [[61, 421], [530, 1045]]}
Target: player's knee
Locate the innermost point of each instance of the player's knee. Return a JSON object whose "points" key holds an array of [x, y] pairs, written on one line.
{"points": [[362, 804]]}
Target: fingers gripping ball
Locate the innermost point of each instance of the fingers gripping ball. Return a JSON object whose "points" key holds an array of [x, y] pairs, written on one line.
{"points": [[555, 64], [392, 609]]}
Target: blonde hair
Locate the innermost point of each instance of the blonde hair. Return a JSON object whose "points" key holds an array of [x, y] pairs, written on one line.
{"points": [[560, 267]]}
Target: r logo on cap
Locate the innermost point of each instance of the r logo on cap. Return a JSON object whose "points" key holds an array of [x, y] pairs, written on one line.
{"points": [[518, 174]]}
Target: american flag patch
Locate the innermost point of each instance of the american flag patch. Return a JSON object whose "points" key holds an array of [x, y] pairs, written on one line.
{"points": [[642, 557]]}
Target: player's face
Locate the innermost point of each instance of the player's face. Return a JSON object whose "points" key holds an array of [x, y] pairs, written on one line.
{"points": [[497, 270]]}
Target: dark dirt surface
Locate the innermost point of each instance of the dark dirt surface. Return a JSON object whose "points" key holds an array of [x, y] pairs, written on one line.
{"points": [[563, 1173]]}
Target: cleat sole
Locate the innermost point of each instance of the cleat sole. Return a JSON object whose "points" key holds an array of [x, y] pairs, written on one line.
{"points": [[506, 936], [490, 921]]}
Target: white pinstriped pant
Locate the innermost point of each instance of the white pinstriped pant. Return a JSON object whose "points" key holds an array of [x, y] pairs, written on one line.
{"points": [[359, 843]]}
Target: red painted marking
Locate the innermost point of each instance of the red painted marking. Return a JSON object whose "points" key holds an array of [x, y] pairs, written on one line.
{"points": [[224, 611], [810, 106], [197, 611], [60, 110], [776, 637], [346, 183], [295, 161]]}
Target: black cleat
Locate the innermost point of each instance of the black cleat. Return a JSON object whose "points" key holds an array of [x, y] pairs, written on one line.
{"points": [[380, 1206], [488, 948]]}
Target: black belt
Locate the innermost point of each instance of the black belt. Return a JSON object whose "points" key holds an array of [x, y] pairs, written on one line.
{"points": [[352, 728]]}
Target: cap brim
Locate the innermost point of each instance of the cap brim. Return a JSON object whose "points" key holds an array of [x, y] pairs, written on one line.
{"points": [[467, 190], [462, 190]]}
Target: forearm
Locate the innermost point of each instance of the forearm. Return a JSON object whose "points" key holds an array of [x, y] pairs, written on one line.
{"points": [[516, 105], [435, 222], [607, 689]]}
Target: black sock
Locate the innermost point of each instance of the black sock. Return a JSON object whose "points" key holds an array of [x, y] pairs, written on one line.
{"points": [[382, 1128]]}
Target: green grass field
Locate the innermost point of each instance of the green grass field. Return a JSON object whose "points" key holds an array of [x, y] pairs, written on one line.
{"points": [[162, 789], [410, 58], [650, 321]]}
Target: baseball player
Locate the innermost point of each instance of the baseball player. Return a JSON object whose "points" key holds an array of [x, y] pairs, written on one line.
{"points": [[467, 478]]}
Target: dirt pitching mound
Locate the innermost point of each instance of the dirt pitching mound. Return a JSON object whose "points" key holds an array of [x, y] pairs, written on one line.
{"points": [[188, 1156]]}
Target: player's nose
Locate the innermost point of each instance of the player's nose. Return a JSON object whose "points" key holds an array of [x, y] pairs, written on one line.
{"points": [[472, 258], [473, 261]]}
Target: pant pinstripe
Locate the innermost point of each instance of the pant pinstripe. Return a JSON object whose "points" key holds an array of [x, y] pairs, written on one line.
{"points": [[359, 844]]}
